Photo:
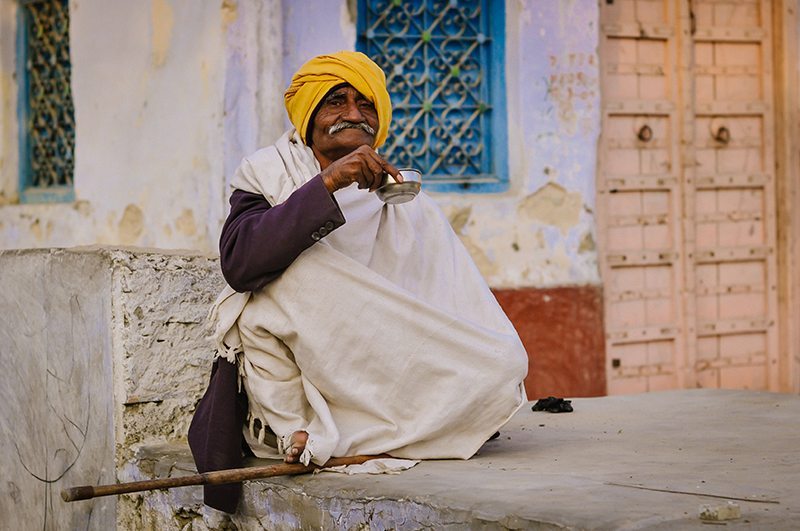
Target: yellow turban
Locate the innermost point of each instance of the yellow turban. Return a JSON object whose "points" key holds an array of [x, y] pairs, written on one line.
{"points": [[318, 76]]}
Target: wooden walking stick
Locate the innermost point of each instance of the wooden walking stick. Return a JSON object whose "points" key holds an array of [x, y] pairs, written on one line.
{"points": [[219, 477]]}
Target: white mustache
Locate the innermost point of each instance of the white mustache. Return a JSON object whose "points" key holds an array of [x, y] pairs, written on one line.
{"points": [[335, 128]]}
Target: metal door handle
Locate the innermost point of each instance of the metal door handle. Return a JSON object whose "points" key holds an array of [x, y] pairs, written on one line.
{"points": [[645, 134]]}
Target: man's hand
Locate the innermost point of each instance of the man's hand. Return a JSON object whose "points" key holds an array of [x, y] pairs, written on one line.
{"points": [[363, 166]]}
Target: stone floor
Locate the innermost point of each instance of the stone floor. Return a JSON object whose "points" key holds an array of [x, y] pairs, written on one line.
{"points": [[645, 461]]}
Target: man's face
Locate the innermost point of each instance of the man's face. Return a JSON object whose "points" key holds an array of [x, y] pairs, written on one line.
{"points": [[344, 121]]}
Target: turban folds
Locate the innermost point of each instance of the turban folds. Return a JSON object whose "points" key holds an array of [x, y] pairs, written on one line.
{"points": [[318, 76]]}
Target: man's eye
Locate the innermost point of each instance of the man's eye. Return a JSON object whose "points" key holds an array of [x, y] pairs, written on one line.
{"points": [[367, 104]]}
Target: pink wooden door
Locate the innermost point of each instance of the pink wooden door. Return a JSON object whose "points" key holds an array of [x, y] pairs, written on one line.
{"points": [[734, 244], [686, 208]]}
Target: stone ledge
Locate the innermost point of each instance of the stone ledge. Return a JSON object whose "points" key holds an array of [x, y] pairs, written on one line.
{"points": [[581, 470], [103, 349]]}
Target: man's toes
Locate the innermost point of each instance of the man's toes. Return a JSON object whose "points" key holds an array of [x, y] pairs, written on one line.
{"points": [[292, 455], [299, 439]]}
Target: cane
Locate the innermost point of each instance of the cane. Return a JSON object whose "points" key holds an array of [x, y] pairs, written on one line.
{"points": [[218, 477]]}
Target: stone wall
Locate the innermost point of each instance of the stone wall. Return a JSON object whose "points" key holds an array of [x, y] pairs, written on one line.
{"points": [[102, 351]]}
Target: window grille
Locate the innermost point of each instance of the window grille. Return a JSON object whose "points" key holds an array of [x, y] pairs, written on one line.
{"points": [[47, 118], [444, 63]]}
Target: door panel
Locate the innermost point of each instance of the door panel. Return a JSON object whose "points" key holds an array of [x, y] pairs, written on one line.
{"points": [[640, 194], [686, 204], [734, 209]]}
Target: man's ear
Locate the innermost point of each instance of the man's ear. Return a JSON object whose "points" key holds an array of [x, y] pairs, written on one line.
{"points": [[310, 128]]}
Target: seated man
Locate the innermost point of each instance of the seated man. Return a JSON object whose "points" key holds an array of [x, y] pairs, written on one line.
{"points": [[357, 327]]}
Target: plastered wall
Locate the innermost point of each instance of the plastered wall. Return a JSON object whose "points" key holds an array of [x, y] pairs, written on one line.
{"points": [[541, 232], [170, 94], [148, 80]]}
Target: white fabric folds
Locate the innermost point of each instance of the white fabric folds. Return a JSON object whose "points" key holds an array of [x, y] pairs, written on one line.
{"points": [[381, 338]]}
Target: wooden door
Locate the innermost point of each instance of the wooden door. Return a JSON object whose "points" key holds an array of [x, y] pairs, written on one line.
{"points": [[686, 206], [732, 195]]}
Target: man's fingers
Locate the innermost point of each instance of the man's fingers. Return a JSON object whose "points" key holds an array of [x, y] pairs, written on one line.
{"points": [[375, 171], [365, 167], [364, 177], [389, 168], [385, 167]]}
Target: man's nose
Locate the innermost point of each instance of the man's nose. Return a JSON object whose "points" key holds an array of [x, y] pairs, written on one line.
{"points": [[352, 113]]}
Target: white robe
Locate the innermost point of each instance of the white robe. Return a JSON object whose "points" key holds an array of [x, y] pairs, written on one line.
{"points": [[381, 338]]}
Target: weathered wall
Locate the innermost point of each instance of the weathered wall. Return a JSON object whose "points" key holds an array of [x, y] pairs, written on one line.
{"points": [[539, 233], [8, 105], [102, 351], [559, 328], [168, 102], [147, 81], [254, 111], [162, 355], [55, 382]]}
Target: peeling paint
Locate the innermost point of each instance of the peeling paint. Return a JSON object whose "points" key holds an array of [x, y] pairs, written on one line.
{"points": [[560, 258], [486, 266], [162, 19], [131, 225], [587, 244], [230, 12], [459, 218], [540, 239], [554, 205], [201, 163], [84, 208], [185, 224], [36, 230], [40, 233]]}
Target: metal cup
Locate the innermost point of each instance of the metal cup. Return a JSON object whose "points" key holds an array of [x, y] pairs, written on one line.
{"points": [[394, 193]]}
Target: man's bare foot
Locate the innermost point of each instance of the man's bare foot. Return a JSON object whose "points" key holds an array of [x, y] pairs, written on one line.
{"points": [[294, 451]]}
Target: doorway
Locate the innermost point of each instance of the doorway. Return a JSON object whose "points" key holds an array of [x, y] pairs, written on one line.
{"points": [[687, 210]]}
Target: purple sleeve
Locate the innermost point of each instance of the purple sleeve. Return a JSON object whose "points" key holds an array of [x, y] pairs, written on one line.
{"points": [[259, 241]]}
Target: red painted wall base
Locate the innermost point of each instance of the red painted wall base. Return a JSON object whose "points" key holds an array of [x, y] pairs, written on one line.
{"points": [[562, 330]]}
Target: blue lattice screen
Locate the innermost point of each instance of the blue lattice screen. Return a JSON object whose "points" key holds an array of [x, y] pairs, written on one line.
{"points": [[444, 66], [47, 122]]}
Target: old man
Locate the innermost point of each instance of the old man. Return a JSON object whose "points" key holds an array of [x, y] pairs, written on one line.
{"points": [[354, 326]]}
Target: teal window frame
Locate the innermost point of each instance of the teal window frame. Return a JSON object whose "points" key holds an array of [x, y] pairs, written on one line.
{"points": [[495, 175], [28, 192]]}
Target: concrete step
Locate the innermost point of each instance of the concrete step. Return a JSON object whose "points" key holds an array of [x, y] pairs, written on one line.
{"points": [[629, 462]]}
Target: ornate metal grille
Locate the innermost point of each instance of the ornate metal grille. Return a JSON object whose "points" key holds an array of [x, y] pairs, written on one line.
{"points": [[47, 121], [439, 57]]}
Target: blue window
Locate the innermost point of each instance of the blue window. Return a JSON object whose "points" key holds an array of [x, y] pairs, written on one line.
{"points": [[46, 114], [444, 62]]}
